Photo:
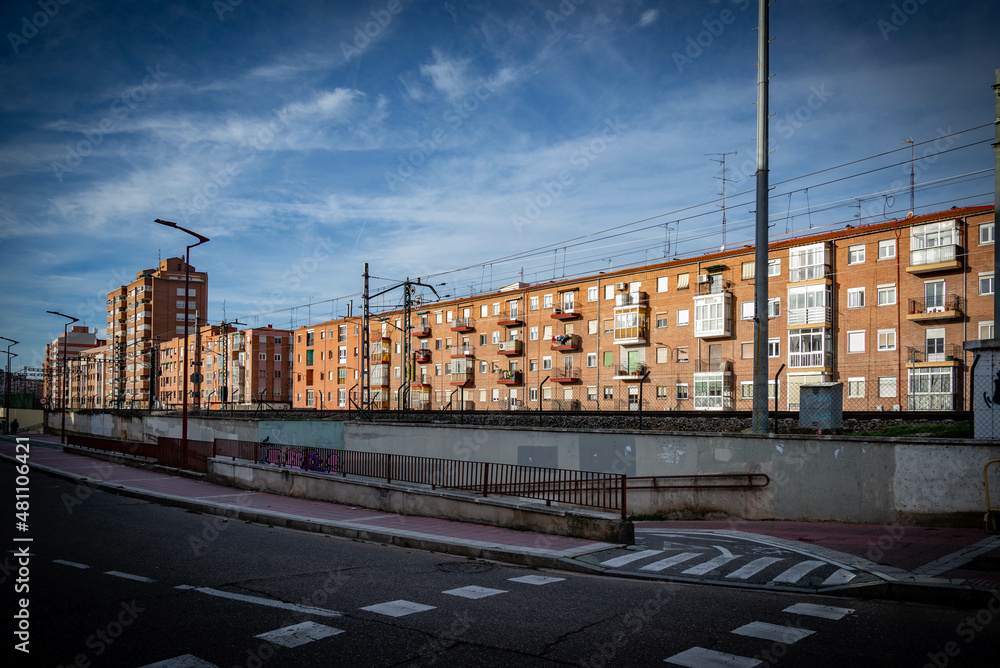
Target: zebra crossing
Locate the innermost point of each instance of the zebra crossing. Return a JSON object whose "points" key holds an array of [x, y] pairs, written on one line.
{"points": [[733, 560]]}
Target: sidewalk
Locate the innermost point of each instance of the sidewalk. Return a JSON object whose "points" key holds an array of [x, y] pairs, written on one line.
{"points": [[943, 562]]}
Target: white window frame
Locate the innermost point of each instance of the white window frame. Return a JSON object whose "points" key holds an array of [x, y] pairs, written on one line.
{"points": [[683, 317], [856, 337], [886, 339], [853, 384], [991, 285], [774, 267], [888, 290], [884, 388], [746, 310], [662, 283], [591, 360], [774, 308], [887, 249], [774, 347], [986, 234], [592, 294], [986, 325], [856, 254], [853, 296]]}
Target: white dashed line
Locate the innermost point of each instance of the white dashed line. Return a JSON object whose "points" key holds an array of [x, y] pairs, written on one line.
{"points": [[629, 558], [129, 576], [269, 602], [747, 571], [798, 571], [775, 632], [299, 634], [69, 563], [398, 608], [839, 577], [699, 657], [474, 592], [535, 580], [822, 611], [663, 564], [958, 559], [710, 565]]}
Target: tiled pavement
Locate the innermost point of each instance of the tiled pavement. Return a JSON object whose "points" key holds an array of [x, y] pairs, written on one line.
{"points": [[966, 557]]}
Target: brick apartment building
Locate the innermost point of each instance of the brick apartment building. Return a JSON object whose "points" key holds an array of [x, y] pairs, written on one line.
{"points": [[238, 368], [78, 340], [882, 308], [148, 310]]}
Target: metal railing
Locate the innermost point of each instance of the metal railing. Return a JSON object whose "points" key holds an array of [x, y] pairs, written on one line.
{"points": [[948, 354], [944, 303], [814, 359], [933, 255], [701, 481], [808, 273], [463, 323], [814, 315]]}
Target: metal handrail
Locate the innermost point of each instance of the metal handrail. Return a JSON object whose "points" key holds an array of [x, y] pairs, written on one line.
{"points": [[763, 480], [992, 517]]}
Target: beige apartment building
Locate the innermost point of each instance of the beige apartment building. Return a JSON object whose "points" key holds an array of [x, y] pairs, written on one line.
{"points": [[61, 381], [882, 308]]}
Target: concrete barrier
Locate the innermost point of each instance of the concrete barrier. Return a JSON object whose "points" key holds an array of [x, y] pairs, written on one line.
{"points": [[409, 500]]}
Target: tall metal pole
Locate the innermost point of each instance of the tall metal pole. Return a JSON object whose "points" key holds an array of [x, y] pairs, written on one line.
{"points": [[404, 393], [996, 195], [65, 373], [760, 416], [365, 403], [6, 380]]}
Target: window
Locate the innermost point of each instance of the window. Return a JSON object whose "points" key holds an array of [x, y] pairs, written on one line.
{"points": [[547, 332], [533, 334], [746, 389], [774, 267], [277, 357], [886, 339], [609, 358], [931, 388], [682, 281], [887, 387], [774, 307], [682, 317], [774, 347], [547, 301], [933, 243], [856, 254], [856, 342], [986, 283], [682, 390], [662, 283], [662, 355], [532, 394], [887, 295], [661, 320], [496, 394], [609, 291], [437, 369], [496, 337], [546, 363], [855, 388], [887, 249], [855, 298], [263, 357], [342, 376], [591, 360], [746, 311], [342, 352], [986, 234], [592, 327], [748, 271], [662, 392], [609, 325], [682, 353], [986, 329], [609, 392], [746, 350], [807, 263]]}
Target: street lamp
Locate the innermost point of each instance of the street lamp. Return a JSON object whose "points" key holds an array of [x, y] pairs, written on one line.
{"points": [[187, 293], [65, 392], [6, 414]]}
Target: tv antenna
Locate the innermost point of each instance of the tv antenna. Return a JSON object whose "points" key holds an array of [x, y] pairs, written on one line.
{"points": [[722, 161]]}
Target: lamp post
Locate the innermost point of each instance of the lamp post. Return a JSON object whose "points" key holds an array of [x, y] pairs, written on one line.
{"points": [[187, 291], [6, 379], [65, 388]]}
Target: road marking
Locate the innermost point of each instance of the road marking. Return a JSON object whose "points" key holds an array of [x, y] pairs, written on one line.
{"points": [[662, 564], [474, 592], [69, 563], [775, 632], [630, 557], [747, 571], [822, 611], [699, 657], [129, 576], [299, 634], [712, 564], [958, 559], [257, 600], [535, 580], [798, 571], [398, 608], [182, 661], [838, 578]]}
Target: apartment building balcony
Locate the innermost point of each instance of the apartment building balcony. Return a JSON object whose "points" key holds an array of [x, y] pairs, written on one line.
{"points": [[949, 306], [421, 331], [567, 311], [631, 318], [713, 315], [566, 343], [635, 373], [463, 325], [511, 319], [713, 285], [509, 378], [421, 385], [463, 351], [422, 355], [818, 316], [935, 258], [921, 357], [713, 365], [462, 378], [510, 348], [420, 404], [566, 375], [810, 360], [380, 375], [810, 272]]}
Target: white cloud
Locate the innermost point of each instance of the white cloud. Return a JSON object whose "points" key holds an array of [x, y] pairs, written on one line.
{"points": [[448, 75], [649, 17]]}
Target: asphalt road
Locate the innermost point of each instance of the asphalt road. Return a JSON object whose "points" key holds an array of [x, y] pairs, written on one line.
{"points": [[119, 582]]}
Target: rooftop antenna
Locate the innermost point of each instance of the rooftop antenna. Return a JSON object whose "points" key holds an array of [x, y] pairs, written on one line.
{"points": [[910, 142], [788, 210], [809, 210], [722, 162]]}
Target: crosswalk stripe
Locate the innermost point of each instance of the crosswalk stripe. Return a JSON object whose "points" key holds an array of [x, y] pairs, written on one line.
{"points": [[710, 565], [699, 657], [129, 576], [775, 632], [299, 634], [747, 571], [629, 558], [670, 561], [822, 611], [840, 577], [798, 571], [398, 608], [257, 600], [69, 563]]}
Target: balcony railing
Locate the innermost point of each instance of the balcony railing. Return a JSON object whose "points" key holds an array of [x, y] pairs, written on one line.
{"points": [[565, 311], [510, 319], [465, 350], [566, 375], [933, 255], [463, 325], [711, 365], [512, 347], [566, 342], [713, 287], [713, 403], [808, 273], [635, 373], [631, 299], [950, 354], [422, 355], [509, 378], [813, 359], [815, 315], [946, 306], [462, 377], [421, 331]]}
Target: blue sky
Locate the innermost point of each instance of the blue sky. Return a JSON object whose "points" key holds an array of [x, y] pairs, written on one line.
{"points": [[468, 143]]}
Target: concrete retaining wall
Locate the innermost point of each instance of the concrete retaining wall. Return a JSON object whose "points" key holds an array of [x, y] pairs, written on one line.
{"points": [[422, 502]]}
